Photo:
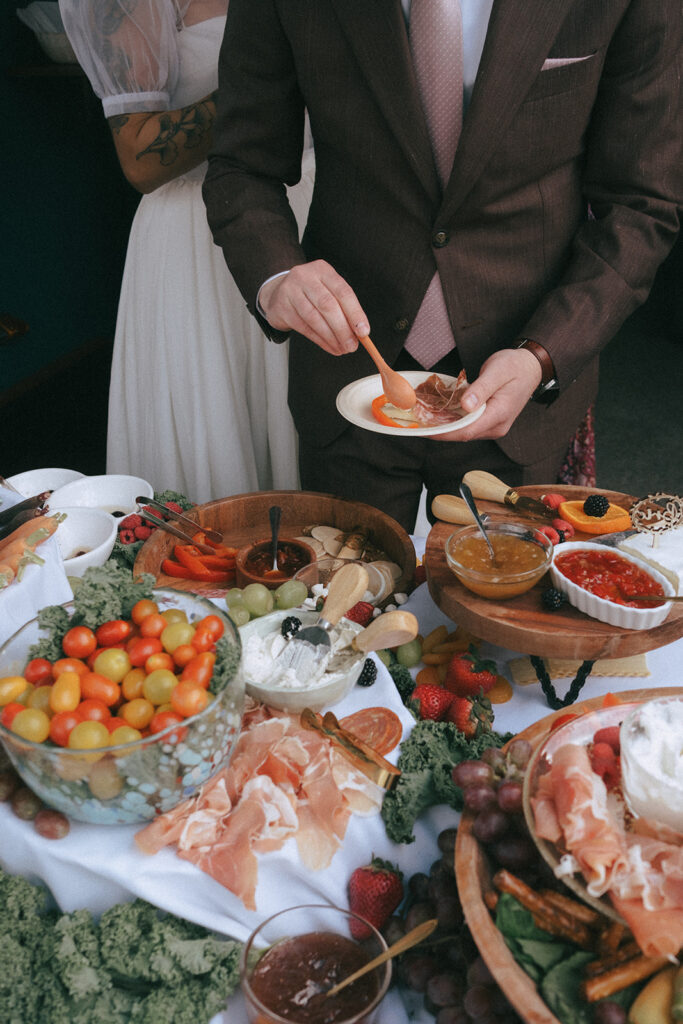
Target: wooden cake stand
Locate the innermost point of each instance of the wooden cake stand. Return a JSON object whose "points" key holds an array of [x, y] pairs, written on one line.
{"points": [[523, 624]]}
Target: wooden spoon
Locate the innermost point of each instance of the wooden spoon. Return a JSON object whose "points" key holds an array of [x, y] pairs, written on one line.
{"points": [[411, 938], [396, 388]]}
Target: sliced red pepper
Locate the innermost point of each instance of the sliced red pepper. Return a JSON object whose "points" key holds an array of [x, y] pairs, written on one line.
{"points": [[190, 556], [386, 421], [217, 562], [220, 549], [179, 571]]}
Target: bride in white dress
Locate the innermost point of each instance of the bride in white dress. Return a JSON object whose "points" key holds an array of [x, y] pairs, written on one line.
{"points": [[198, 395]]}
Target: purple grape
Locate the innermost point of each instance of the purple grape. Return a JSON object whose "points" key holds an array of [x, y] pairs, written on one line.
{"points": [[25, 803], [609, 1013], [418, 969], [490, 824], [9, 781], [478, 973], [418, 886], [477, 1001], [495, 758], [51, 824], [393, 929], [509, 796], [519, 752], [467, 773], [446, 842], [444, 990], [418, 913], [452, 1015], [513, 852], [449, 912], [478, 796]]}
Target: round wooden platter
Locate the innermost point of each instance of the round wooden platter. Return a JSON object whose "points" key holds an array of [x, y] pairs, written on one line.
{"points": [[243, 518], [474, 882], [522, 623]]}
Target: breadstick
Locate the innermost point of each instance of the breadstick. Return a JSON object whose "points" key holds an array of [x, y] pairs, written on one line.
{"points": [[611, 959], [578, 910], [611, 936], [550, 918], [636, 969]]}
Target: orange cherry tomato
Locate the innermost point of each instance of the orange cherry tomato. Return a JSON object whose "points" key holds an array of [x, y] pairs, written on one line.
{"points": [[213, 625], [141, 647], [189, 699], [159, 660], [183, 654], [61, 725], [9, 711], [202, 640], [162, 720], [114, 722], [200, 669], [68, 665], [92, 710], [38, 670], [79, 642], [66, 692], [138, 712], [113, 632], [95, 686], [153, 625], [143, 608], [131, 685]]}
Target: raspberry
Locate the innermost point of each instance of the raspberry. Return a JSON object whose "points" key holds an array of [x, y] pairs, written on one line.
{"points": [[290, 626], [552, 500], [361, 612], [127, 536], [603, 759], [609, 735], [173, 506], [152, 511], [552, 599], [368, 673], [551, 533], [562, 526], [130, 522], [142, 532], [596, 505]]}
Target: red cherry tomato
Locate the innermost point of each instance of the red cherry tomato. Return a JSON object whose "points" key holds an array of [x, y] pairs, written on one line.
{"points": [[38, 670], [562, 720], [9, 712], [153, 625], [68, 665], [160, 659], [92, 710], [200, 669], [162, 720], [189, 699], [61, 725], [112, 632], [202, 640], [143, 608], [114, 722], [95, 686], [141, 647], [79, 642], [183, 654], [213, 625]]}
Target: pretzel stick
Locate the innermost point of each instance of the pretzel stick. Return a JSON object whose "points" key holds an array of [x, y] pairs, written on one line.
{"points": [[611, 937], [549, 918], [636, 969], [578, 910], [611, 959]]}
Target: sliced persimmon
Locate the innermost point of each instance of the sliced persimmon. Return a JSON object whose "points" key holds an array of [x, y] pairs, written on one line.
{"points": [[615, 518]]}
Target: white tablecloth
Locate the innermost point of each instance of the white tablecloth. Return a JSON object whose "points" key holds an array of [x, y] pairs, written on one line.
{"points": [[97, 866]]}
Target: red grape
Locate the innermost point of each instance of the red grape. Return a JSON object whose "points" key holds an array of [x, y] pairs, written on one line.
{"points": [[51, 824]]}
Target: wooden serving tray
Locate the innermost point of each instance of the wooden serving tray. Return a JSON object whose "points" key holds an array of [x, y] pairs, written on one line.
{"points": [[244, 518], [522, 623], [474, 882]]}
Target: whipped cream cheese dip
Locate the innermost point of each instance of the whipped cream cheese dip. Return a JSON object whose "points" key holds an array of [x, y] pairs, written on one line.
{"points": [[652, 761]]}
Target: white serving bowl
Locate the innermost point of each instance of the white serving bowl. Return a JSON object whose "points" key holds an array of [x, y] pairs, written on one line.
{"points": [[609, 611], [86, 537], [35, 481], [316, 697], [112, 492]]}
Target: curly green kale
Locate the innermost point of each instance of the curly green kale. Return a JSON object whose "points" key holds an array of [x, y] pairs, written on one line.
{"points": [[226, 664], [54, 619], [426, 762], [403, 680]]}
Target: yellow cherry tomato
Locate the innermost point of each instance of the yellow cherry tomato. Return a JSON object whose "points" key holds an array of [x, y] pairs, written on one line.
{"points": [[124, 734], [138, 713], [88, 736], [66, 692], [159, 685], [176, 634], [39, 697], [113, 663], [12, 688], [131, 687], [174, 615], [31, 724]]}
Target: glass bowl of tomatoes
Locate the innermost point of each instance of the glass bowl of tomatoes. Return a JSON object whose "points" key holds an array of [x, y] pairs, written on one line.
{"points": [[130, 718]]}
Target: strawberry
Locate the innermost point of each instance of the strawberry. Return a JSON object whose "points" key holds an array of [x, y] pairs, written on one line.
{"points": [[471, 715], [468, 674], [433, 701], [361, 612], [609, 735], [375, 891]]}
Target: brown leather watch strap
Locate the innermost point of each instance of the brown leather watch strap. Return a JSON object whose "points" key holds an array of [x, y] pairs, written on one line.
{"points": [[547, 389]]}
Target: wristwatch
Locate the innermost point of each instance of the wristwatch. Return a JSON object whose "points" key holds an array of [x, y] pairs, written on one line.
{"points": [[549, 388]]}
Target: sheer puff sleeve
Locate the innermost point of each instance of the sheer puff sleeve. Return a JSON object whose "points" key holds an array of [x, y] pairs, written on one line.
{"points": [[128, 50]]}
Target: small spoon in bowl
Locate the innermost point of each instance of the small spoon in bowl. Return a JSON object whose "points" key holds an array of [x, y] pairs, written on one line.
{"points": [[469, 501], [410, 939], [396, 388], [274, 514]]}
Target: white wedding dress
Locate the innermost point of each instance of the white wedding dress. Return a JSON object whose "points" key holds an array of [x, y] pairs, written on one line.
{"points": [[198, 395]]}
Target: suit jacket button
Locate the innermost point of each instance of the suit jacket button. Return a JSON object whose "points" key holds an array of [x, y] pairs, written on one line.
{"points": [[402, 324], [440, 239]]}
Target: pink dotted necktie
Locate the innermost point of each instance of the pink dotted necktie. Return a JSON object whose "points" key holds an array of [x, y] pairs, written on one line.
{"points": [[436, 45]]}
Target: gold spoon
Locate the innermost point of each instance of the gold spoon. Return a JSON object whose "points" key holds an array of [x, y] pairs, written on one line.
{"points": [[411, 938], [652, 597], [396, 388]]}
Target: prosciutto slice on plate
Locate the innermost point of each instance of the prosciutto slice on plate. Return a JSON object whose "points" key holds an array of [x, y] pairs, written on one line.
{"points": [[439, 402]]}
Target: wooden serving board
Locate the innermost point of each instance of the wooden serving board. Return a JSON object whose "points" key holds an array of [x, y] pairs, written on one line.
{"points": [[474, 882], [243, 518], [522, 623]]}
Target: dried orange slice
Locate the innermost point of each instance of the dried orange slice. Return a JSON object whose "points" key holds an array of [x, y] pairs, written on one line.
{"points": [[615, 518]]}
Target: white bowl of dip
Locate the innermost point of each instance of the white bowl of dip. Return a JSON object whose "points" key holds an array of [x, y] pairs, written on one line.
{"points": [[651, 739]]}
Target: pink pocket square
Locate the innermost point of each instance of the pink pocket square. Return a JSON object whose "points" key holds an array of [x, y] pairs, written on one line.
{"points": [[561, 62]]}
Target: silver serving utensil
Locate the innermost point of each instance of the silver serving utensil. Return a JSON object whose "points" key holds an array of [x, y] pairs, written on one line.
{"points": [[469, 501], [161, 525], [274, 514], [213, 535], [347, 586]]}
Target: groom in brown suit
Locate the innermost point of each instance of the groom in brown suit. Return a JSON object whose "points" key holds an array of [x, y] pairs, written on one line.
{"points": [[561, 201]]}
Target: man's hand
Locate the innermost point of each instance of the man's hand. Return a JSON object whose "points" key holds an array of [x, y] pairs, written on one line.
{"points": [[315, 301], [507, 381]]}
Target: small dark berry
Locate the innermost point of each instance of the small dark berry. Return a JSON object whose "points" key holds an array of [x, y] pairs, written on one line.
{"points": [[552, 599], [560, 534], [596, 505], [290, 626], [368, 673]]}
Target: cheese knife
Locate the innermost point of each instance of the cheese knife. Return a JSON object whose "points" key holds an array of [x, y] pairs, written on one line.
{"points": [[490, 488]]}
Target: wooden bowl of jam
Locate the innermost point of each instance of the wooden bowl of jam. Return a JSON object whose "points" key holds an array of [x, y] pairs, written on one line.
{"points": [[522, 557], [254, 562]]}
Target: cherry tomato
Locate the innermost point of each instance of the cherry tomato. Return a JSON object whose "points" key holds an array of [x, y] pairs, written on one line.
{"points": [[184, 653], [562, 720], [213, 625], [174, 615], [153, 625], [88, 736], [140, 648], [39, 697], [79, 642], [68, 665], [159, 685], [131, 686], [99, 687], [38, 670], [137, 712], [66, 692], [114, 722], [31, 724], [61, 725], [113, 632], [113, 663], [200, 669], [11, 689], [162, 720], [176, 635], [9, 712], [189, 699], [143, 608], [93, 710], [202, 640], [159, 660], [124, 734]]}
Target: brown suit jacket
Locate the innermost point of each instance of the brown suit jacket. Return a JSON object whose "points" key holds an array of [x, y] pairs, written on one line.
{"points": [[510, 235]]}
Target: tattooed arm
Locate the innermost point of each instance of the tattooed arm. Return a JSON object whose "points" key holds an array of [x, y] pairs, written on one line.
{"points": [[155, 148]]}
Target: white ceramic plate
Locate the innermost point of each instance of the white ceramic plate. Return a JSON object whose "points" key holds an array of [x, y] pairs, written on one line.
{"points": [[355, 400]]}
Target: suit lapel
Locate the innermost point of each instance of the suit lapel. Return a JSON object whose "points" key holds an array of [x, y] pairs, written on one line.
{"points": [[376, 31], [519, 35]]}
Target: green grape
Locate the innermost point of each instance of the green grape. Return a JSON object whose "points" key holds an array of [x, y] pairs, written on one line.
{"points": [[233, 598], [239, 615], [384, 656], [290, 594], [258, 599], [409, 654]]}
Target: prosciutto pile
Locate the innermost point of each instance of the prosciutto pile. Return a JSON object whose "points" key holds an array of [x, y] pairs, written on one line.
{"points": [[643, 875], [282, 782], [439, 402]]}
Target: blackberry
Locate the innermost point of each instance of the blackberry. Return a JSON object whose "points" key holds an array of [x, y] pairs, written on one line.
{"points": [[552, 599], [290, 626], [596, 505], [368, 673]]}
